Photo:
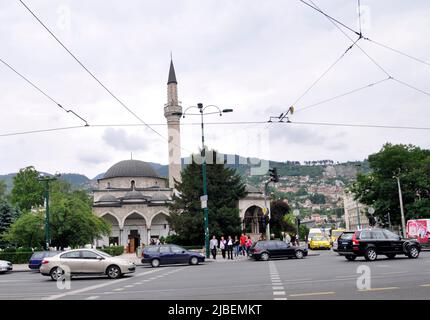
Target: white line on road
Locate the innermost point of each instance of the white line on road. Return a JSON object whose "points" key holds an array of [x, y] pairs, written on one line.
{"points": [[279, 293], [92, 298], [378, 289], [278, 288], [97, 286], [312, 294]]}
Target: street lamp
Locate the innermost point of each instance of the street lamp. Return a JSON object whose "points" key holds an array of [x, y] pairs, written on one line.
{"points": [[401, 203], [204, 198], [46, 180]]}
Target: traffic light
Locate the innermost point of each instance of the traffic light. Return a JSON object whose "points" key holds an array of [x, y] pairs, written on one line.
{"points": [[274, 175]]}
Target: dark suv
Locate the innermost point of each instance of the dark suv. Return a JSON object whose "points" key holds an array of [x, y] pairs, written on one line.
{"points": [[372, 242], [264, 250]]}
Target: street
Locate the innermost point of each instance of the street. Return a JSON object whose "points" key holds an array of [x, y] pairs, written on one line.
{"points": [[322, 275]]}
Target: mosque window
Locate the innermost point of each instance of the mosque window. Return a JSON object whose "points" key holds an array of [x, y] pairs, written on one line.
{"points": [[133, 184]]}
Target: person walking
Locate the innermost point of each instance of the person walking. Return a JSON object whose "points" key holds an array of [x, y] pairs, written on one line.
{"points": [[236, 246], [230, 248], [213, 246], [222, 246], [242, 244], [248, 245]]}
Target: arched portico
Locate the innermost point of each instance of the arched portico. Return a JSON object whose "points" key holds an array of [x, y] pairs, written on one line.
{"points": [[159, 227], [134, 230], [253, 221], [115, 236]]}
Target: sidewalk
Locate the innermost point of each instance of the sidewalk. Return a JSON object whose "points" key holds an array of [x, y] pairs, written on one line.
{"points": [[22, 268]]}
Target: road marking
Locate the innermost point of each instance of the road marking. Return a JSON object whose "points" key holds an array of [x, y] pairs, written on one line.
{"points": [[425, 285], [279, 293], [396, 272], [129, 286], [312, 294], [278, 288], [379, 289], [118, 289], [97, 286], [92, 298], [276, 282], [279, 298]]}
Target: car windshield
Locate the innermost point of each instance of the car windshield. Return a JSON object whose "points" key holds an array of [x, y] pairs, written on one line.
{"points": [[347, 235], [38, 255], [336, 233], [319, 238]]}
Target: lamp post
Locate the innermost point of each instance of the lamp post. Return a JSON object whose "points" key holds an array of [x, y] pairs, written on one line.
{"points": [[204, 198], [401, 204], [46, 180]]}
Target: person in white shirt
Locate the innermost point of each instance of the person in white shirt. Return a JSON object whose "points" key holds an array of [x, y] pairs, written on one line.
{"points": [[230, 248], [222, 246], [213, 246]]}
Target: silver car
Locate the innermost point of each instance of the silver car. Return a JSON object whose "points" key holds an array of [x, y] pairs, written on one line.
{"points": [[85, 262], [5, 266]]}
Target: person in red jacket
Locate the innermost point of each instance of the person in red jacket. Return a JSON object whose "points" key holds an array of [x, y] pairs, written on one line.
{"points": [[242, 244]]}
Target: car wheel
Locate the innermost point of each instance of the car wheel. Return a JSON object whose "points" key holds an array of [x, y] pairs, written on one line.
{"points": [[194, 261], [264, 256], [370, 254], [413, 252], [350, 258], [391, 255], [299, 254], [56, 273], [113, 272], [155, 263]]}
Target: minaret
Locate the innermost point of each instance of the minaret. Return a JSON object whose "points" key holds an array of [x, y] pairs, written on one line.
{"points": [[171, 110]]}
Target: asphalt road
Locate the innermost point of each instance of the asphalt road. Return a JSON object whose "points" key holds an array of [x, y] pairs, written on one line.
{"points": [[325, 276]]}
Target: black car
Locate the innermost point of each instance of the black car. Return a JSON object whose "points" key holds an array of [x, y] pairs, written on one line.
{"points": [[170, 254], [370, 243], [264, 250]]}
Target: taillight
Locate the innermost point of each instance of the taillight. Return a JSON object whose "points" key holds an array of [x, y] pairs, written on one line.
{"points": [[45, 261], [355, 241]]}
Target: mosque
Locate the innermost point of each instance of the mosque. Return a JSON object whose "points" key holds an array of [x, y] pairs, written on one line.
{"points": [[133, 198]]}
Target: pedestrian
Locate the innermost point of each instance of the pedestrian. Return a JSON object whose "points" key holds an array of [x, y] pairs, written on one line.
{"points": [[230, 244], [213, 246], [293, 239], [242, 244], [287, 238], [236, 246], [222, 246], [248, 245], [157, 243]]}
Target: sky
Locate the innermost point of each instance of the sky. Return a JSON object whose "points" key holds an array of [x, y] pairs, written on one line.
{"points": [[257, 57]]}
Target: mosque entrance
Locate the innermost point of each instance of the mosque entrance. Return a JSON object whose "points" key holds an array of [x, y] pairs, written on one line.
{"points": [[133, 241]]}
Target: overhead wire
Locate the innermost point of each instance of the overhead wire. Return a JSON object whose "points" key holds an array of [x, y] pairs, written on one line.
{"points": [[42, 92], [95, 78]]}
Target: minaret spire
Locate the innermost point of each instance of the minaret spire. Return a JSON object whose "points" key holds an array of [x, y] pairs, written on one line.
{"points": [[172, 75]]}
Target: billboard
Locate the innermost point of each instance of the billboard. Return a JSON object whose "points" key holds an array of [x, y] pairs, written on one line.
{"points": [[418, 229]]}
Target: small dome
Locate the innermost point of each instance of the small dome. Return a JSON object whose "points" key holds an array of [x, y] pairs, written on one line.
{"points": [[108, 198], [134, 195], [160, 197], [130, 168]]}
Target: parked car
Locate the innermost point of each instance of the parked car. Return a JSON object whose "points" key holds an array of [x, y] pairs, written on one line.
{"points": [[370, 243], [85, 262], [5, 266], [319, 242], [36, 259], [170, 254], [265, 250]]}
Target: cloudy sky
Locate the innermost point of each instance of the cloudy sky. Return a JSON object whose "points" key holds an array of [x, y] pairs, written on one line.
{"points": [[257, 57]]}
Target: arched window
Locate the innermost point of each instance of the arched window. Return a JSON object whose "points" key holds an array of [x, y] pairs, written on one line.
{"points": [[133, 184], [108, 185]]}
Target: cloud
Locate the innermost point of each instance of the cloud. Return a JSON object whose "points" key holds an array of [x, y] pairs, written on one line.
{"points": [[120, 140]]}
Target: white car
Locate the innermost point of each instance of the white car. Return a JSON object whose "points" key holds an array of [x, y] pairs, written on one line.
{"points": [[5, 266], [85, 262]]}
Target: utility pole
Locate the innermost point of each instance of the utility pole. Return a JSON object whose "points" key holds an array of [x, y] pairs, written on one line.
{"points": [[401, 205], [46, 180], [358, 216], [273, 178]]}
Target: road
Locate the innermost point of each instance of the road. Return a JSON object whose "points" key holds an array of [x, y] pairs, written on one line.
{"points": [[324, 276]]}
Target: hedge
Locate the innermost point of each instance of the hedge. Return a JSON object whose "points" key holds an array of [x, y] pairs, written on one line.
{"points": [[16, 257], [113, 251]]}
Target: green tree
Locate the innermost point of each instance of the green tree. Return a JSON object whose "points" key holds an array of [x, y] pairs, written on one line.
{"points": [[27, 191], [27, 230], [72, 221], [8, 214], [317, 198], [3, 189], [225, 188], [379, 189], [289, 224], [278, 209]]}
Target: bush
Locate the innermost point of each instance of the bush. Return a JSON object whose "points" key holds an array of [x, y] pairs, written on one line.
{"points": [[10, 250], [24, 249], [113, 251], [16, 257]]}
